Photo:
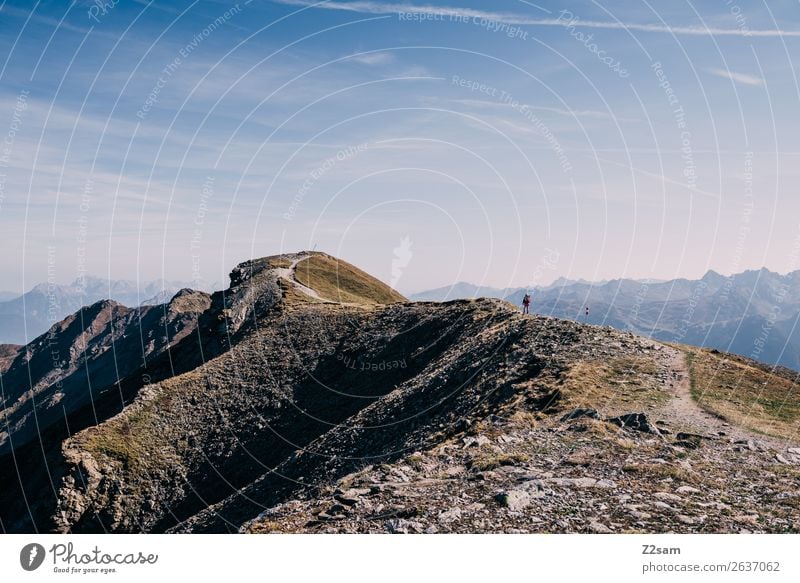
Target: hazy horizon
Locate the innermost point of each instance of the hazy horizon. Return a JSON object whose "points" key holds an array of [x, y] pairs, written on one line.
{"points": [[222, 284]]}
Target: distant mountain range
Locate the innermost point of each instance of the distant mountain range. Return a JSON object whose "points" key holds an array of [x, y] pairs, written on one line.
{"points": [[755, 313], [24, 317], [463, 290]]}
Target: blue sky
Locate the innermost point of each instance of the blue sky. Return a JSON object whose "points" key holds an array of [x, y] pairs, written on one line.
{"points": [[503, 143]]}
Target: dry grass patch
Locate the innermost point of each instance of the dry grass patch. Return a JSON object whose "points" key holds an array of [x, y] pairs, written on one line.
{"points": [[341, 282], [614, 387], [138, 438], [745, 393], [279, 263], [663, 471], [490, 461], [782, 470], [522, 419], [596, 428], [124, 440]]}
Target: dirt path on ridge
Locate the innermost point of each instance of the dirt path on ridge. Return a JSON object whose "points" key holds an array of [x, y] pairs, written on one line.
{"points": [[683, 413]]}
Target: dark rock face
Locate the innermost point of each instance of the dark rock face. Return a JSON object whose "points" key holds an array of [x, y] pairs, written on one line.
{"points": [[86, 369], [83, 356], [690, 440], [635, 421]]}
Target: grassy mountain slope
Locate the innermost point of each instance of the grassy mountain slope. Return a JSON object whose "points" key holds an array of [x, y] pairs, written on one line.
{"points": [[339, 281]]}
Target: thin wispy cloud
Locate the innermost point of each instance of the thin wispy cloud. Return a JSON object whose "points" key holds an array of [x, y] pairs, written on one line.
{"points": [[60, 23], [373, 58], [572, 113], [519, 19], [741, 78], [660, 177]]}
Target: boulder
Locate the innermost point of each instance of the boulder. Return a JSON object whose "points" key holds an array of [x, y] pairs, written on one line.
{"points": [[514, 500], [634, 421], [599, 528], [450, 515], [581, 413], [667, 496], [687, 490], [478, 441]]}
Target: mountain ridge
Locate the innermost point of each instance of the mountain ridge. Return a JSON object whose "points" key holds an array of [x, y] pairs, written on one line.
{"points": [[26, 316], [282, 403]]}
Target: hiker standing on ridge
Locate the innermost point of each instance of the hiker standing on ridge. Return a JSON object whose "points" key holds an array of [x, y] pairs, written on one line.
{"points": [[526, 303]]}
